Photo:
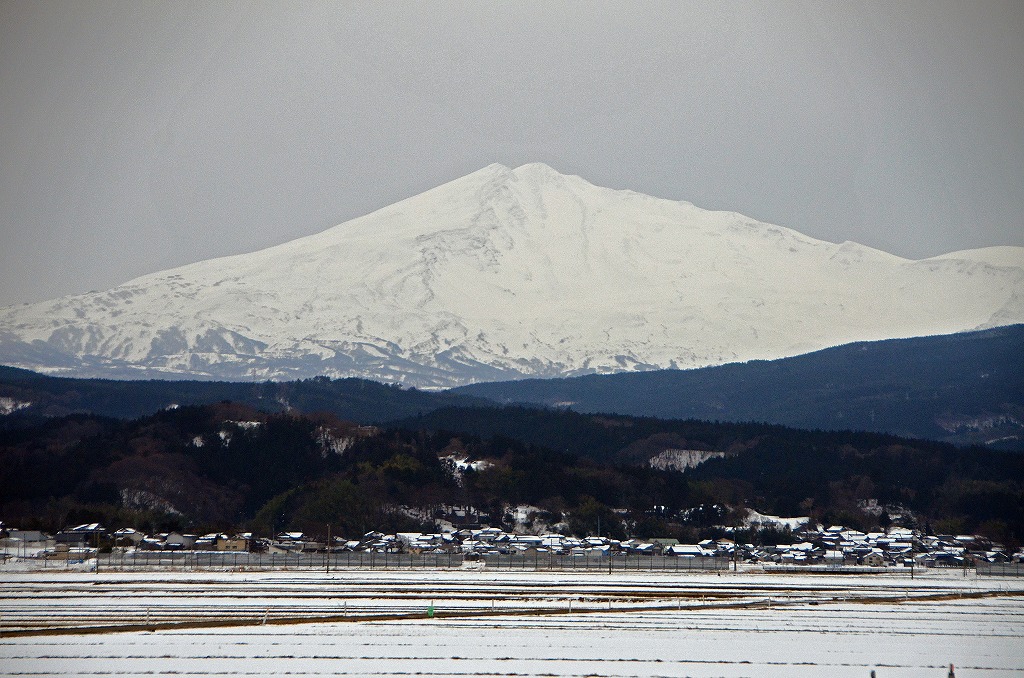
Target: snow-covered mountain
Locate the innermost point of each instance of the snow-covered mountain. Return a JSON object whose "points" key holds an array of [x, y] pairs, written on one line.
{"points": [[507, 273]]}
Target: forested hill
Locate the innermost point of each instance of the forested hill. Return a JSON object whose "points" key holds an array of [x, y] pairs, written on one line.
{"points": [[227, 466], [29, 395], [966, 389], [962, 388]]}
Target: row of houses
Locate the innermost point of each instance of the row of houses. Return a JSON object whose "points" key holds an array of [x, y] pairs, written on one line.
{"points": [[840, 546], [836, 545], [90, 537]]}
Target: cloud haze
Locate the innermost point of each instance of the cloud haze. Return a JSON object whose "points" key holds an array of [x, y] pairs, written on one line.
{"points": [[136, 136]]}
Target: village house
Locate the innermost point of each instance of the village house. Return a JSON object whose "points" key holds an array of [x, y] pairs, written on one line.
{"points": [[128, 536], [662, 543], [81, 535], [835, 546], [688, 551], [176, 541], [222, 542], [236, 544], [873, 558], [24, 542]]}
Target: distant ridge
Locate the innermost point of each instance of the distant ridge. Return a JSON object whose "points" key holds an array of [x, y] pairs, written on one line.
{"points": [[27, 397], [506, 274], [965, 388]]}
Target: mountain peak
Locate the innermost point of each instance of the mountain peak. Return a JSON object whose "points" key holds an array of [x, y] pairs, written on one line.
{"points": [[537, 169], [533, 171], [542, 173], [507, 273]]}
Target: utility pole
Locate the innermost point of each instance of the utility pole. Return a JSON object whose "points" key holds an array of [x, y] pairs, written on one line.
{"points": [[328, 548]]}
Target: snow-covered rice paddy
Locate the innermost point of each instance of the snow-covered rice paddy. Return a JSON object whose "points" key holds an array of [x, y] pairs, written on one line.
{"points": [[509, 624]]}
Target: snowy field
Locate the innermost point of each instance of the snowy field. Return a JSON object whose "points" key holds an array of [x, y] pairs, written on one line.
{"points": [[509, 624]]}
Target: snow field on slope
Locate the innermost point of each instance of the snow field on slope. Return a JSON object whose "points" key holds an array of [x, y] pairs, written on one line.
{"points": [[810, 630], [527, 272]]}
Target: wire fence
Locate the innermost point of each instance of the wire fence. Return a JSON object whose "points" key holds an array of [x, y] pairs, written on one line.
{"points": [[1000, 569], [212, 560]]}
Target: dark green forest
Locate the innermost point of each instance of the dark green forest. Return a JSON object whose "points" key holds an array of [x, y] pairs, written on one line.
{"points": [[964, 388], [353, 399], [229, 466]]}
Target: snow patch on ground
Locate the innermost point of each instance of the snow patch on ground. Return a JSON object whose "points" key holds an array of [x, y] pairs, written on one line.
{"points": [[143, 499], [755, 519], [798, 627], [10, 405], [333, 444], [680, 460]]}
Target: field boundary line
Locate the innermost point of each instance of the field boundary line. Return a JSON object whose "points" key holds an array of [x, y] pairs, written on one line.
{"points": [[260, 620]]}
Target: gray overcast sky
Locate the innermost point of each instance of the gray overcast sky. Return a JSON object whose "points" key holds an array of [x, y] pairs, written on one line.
{"points": [[136, 136]]}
